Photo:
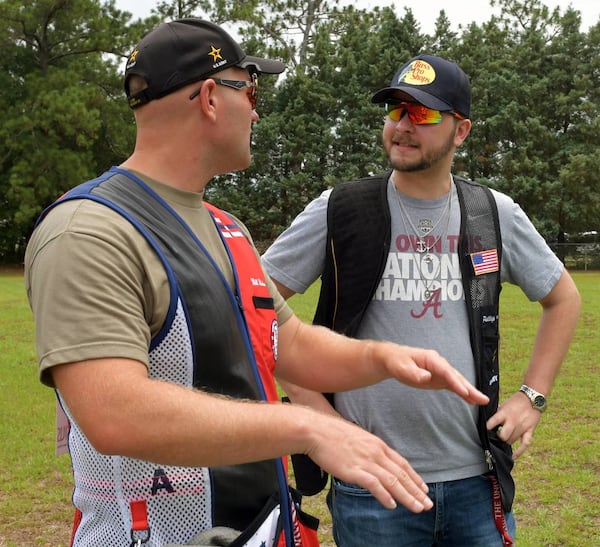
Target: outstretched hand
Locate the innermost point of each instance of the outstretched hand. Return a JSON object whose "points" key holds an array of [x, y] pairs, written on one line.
{"points": [[354, 455], [427, 369], [319, 359]]}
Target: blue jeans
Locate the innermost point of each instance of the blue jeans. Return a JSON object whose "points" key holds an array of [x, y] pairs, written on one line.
{"points": [[462, 516]]}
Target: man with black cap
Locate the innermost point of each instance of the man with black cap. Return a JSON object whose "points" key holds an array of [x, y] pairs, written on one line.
{"points": [[161, 333], [417, 256]]}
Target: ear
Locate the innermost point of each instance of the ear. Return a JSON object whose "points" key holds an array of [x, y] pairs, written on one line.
{"points": [[463, 128], [207, 99]]}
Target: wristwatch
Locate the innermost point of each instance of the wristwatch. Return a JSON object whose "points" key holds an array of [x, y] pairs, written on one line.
{"points": [[538, 401]]}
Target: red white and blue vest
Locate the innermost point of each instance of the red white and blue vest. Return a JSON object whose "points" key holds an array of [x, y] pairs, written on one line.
{"points": [[215, 338]]}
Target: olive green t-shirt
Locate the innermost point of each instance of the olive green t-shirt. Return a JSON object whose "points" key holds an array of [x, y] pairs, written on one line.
{"points": [[96, 287]]}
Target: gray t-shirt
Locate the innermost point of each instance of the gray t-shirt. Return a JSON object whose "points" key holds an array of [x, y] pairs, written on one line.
{"points": [[420, 302]]}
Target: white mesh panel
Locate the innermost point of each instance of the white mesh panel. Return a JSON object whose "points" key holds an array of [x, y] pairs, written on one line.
{"points": [[172, 359], [178, 498]]}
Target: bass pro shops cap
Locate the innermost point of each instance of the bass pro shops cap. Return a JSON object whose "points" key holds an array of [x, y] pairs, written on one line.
{"points": [[433, 82]]}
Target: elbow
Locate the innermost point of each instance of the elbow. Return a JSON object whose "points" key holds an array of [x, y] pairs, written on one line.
{"points": [[577, 301], [109, 440], [574, 299], [293, 391]]}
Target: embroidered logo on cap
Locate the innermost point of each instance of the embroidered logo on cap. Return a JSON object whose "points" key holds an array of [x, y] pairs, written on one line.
{"points": [[215, 53], [132, 58], [417, 73]]}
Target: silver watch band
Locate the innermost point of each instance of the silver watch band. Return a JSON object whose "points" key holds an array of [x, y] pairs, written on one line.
{"points": [[538, 400]]}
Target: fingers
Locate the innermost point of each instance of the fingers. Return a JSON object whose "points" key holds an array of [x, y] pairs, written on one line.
{"points": [[467, 391], [457, 383], [391, 488], [356, 456], [525, 442], [511, 436], [493, 422], [427, 369], [515, 422]]}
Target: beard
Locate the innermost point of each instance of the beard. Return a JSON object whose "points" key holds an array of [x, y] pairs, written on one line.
{"points": [[426, 161]]}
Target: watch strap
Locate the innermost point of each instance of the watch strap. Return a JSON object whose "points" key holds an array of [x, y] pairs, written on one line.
{"points": [[538, 400]]}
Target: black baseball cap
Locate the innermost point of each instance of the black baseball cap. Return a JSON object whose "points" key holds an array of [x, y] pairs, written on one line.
{"points": [[433, 82], [184, 51]]}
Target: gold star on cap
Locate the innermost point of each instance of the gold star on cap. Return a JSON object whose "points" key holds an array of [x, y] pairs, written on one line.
{"points": [[216, 53], [134, 55]]}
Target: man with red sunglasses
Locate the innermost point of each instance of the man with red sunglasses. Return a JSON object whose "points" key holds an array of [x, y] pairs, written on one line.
{"points": [[162, 335], [417, 256]]}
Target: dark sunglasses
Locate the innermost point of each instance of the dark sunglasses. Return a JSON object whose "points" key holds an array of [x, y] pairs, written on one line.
{"points": [[417, 113], [250, 86]]}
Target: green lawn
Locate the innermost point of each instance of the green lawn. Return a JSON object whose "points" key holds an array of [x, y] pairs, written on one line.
{"points": [[558, 478]]}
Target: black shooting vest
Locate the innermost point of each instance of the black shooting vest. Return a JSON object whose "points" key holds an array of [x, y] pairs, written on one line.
{"points": [[358, 242]]}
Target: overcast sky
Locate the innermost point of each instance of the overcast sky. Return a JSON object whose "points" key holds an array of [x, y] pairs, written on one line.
{"points": [[425, 11]]}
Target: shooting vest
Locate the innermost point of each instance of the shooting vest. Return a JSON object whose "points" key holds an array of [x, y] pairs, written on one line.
{"points": [[358, 243], [215, 339]]}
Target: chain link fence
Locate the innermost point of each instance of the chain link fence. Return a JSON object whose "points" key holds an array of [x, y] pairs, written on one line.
{"points": [[578, 256]]}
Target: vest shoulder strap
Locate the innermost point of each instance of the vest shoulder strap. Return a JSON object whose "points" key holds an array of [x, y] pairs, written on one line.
{"points": [[358, 241], [480, 255]]}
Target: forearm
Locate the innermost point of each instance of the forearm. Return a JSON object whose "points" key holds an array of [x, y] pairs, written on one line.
{"points": [[123, 412], [131, 415], [300, 396], [516, 415], [318, 359], [554, 334]]}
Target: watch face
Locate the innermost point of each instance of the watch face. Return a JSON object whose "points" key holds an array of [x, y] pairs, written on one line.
{"points": [[539, 401]]}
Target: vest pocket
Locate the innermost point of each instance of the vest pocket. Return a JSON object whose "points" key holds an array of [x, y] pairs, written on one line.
{"points": [[266, 527]]}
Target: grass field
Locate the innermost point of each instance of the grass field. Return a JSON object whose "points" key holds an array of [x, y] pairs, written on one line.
{"points": [[558, 478]]}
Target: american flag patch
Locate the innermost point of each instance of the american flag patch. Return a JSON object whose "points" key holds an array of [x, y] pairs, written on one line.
{"points": [[485, 261]]}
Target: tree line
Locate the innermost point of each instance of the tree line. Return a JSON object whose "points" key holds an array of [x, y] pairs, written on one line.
{"points": [[535, 74]]}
